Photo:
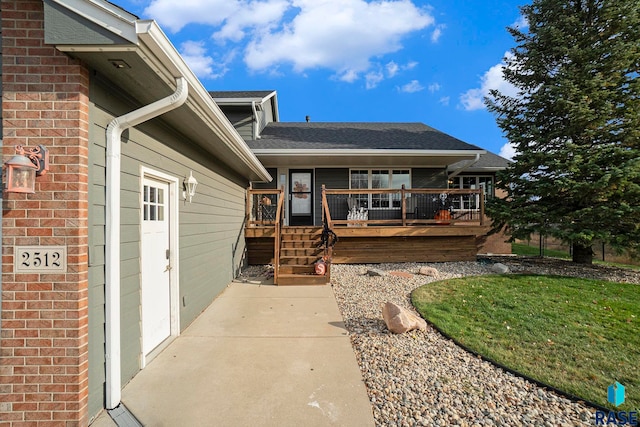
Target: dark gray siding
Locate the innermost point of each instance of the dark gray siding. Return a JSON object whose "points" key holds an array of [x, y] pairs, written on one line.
{"points": [[210, 231], [268, 185], [242, 119], [334, 178], [428, 178]]}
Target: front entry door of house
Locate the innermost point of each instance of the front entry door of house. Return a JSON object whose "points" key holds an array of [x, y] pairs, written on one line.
{"points": [[156, 292], [301, 197]]}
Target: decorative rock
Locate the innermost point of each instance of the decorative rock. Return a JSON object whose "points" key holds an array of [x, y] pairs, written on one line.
{"points": [[428, 271], [400, 320], [403, 274], [499, 268], [376, 272]]}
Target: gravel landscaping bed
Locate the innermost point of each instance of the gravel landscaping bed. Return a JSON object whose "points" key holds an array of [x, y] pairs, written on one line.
{"points": [[424, 379]]}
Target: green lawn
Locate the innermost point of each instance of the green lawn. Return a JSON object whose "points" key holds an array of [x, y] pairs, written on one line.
{"points": [[521, 249], [577, 335]]}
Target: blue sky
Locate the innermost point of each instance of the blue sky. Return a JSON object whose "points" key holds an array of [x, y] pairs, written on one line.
{"points": [[352, 60]]}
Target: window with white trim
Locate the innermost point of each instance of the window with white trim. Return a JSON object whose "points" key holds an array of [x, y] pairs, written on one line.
{"points": [[379, 179], [471, 183]]}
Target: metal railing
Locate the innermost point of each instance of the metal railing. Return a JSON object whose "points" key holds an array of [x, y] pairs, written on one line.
{"points": [[265, 208], [405, 207], [262, 206]]}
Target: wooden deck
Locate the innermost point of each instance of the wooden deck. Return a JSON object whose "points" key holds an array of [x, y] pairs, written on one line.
{"points": [[372, 245], [408, 228]]}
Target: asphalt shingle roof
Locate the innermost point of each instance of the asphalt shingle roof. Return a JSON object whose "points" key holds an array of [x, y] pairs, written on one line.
{"points": [[489, 160], [350, 136]]}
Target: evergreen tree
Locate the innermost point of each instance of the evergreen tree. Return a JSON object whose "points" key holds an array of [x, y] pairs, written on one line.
{"points": [[575, 125]]}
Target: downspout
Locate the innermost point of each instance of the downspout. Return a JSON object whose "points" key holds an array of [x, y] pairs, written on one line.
{"points": [[256, 123], [112, 238], [468, 165]]}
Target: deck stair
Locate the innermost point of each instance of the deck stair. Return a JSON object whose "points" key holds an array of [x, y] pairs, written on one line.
{"points": [[299, 250]]}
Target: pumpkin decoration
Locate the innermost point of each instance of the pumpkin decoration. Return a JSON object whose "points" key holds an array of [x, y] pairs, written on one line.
{"points": [[443, 217]]}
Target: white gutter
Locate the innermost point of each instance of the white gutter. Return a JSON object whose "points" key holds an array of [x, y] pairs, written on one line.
{"points": [[112, 238], [468, 165]]}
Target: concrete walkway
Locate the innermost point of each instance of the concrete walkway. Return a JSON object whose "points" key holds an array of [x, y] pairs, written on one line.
{"points": [[260, 355]]}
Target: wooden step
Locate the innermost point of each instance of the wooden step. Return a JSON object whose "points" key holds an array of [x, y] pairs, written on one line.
{"points": [[298, 260], [299, 243], [301, 280], [301, 236], [305, 252], [301, 230], [297, 269]]}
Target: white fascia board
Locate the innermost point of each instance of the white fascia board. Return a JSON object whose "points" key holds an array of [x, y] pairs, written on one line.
{"points": [[105, 14], [366, 152]]}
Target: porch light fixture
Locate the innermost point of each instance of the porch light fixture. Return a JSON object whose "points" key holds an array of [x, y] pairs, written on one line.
{"points": [[189, 186], [23, 168]]}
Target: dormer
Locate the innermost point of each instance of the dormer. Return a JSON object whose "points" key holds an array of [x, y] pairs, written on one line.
{"points": [[248, 111]]}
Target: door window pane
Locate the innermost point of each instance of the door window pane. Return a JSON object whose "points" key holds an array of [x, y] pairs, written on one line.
{"points": [[153, 203], [398, 179], [380, 179]]}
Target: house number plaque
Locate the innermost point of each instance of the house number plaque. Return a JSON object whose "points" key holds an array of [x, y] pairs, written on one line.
{"points": [[40, 259]]}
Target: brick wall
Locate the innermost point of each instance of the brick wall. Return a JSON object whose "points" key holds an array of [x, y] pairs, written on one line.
{"points": [[43, 349]]}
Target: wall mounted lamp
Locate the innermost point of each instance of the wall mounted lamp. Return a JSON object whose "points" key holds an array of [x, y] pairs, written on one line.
{"points": [[189, 187], [23, 168]]}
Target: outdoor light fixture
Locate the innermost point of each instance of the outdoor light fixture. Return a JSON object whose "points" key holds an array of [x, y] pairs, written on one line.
{"points": [[23, 168], [189, 186]]}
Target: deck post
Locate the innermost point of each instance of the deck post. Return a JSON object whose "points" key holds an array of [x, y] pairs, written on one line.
{"points": [[404, 206], [248, 208], [481, 206]]}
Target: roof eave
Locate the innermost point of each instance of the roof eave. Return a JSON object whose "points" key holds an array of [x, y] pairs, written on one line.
{"points": [[158, 52]]}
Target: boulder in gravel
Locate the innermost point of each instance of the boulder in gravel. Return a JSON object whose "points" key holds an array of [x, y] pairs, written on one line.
{"points": [[428, 271], [375, 272], [402, 274], [400, 320], [499, 268]]}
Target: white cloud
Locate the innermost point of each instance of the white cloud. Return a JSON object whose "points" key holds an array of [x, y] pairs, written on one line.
{"points": [[437, 33], [433, 87], [341, 35], [256, 16], [392, 69], [204, 66], [521, 23], [473, 99], [411, 87], [444, 100], [508, 151], [175, 15], [373, 78]]}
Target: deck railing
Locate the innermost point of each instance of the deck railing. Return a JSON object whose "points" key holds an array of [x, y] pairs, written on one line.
{"points": [[405, 207], [262, 206], [266, 208]]}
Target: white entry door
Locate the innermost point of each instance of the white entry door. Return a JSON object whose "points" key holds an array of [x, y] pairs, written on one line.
{"points": [[156, 267]]}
